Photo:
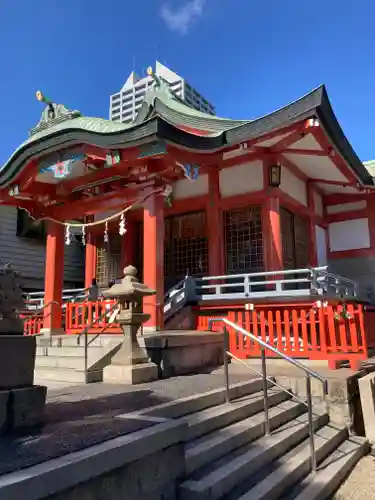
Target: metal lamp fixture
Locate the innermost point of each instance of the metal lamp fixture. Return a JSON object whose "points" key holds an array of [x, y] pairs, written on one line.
{"points": [[274, 175]]}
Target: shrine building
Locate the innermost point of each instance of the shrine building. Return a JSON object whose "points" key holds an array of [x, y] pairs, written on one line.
{"points": [[272, 212]]}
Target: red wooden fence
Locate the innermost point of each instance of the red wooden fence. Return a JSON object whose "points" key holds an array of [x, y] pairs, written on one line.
{"points": [[301, 331], [298, 330], [80, 315]]}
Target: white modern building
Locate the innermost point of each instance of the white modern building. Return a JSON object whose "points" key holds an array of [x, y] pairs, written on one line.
{"points": [[124, 105]]}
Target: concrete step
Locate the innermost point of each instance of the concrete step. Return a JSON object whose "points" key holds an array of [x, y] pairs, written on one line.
{"points": [[207, 449], [75, 351], [67, 375], [222, 476], [294, 466], [331, 472], [76, 340], [76, 362], [208, 420], [191, 404]]}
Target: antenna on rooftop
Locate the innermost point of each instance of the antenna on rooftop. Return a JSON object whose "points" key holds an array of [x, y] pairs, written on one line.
{"points": [[134, 62]]}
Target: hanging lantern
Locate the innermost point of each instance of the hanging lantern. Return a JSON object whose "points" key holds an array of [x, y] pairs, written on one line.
{"points": [[274, 175], [122, 226], [106, 238], [68, 236]]}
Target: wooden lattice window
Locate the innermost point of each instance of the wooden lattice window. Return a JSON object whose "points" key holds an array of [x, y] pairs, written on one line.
{"points": [[295, 240], [243, 240], [186, 246], [108, 262]]}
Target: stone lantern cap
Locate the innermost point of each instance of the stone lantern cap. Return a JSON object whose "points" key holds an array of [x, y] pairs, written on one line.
{"points": [[129, 287]]}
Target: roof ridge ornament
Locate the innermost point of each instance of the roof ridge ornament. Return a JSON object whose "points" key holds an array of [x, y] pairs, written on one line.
{"points": [[160, 84], [52, 114]]}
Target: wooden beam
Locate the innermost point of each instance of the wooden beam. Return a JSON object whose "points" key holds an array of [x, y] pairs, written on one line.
{"points": [[333, 155], [288, 140], [305, 152]]}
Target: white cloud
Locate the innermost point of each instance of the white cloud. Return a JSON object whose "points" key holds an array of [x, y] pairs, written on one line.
{"points": [[180, 19]]}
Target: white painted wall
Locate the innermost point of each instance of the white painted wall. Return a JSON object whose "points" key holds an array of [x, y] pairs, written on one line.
{"points": [[347, 207], [349, 235], [186, 188], [321, 247], [293, 186], [318, 203], [241, 179]]}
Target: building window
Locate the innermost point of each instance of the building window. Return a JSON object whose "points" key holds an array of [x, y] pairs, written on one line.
{"points": [[27, 227], [295, 240], [243, 240], [186, 247], [108, 262]]}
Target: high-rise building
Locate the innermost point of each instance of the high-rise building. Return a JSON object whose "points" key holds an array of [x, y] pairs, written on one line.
{"points": [[124, 105]]}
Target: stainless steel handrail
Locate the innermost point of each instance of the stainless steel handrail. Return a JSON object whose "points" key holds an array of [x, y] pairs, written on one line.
{"points": [[308, 373], [40, 310], [85, 333]]}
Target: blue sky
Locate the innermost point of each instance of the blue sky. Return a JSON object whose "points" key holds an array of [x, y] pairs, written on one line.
{"points": [[248, 57]]}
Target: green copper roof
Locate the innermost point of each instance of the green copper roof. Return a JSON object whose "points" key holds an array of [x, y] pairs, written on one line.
{"points": [[163, 116]]}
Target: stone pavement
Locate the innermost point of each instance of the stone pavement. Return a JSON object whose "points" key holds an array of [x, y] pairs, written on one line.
{"points": [[360, 485], [84, 415]]}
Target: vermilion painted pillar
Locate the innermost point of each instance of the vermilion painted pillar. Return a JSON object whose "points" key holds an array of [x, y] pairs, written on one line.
{"points": [[273, 250], [216, 266], [54, 279], [90, 260], [128, 245], [153, 260], [313, 254]]}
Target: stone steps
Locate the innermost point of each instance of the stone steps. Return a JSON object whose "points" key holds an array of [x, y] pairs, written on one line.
{"points": [[69, 375], [228, 456], [62, 359]]}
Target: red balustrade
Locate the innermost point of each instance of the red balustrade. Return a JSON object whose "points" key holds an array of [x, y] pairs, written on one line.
{"points": [[331, 333], [95, 315], [32, 324]]}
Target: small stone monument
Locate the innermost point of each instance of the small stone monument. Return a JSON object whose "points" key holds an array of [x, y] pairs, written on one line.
{"points": [[130, 364], [21, 403]]}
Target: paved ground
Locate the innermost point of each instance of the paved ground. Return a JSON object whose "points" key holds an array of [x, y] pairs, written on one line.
{"points": [[84, 415], [360, 485]]}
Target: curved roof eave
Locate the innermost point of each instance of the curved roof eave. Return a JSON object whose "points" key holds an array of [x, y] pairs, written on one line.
{"points": [[117, 137], [95, 131], [159, 118], [314, 104]]}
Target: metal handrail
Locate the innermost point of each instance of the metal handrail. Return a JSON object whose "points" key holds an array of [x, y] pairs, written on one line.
{"points": [[264, 346], [41, 309], [85, 333]]}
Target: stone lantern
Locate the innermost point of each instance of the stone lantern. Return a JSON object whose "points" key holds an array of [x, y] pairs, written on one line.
{"points": [[130, 364]]}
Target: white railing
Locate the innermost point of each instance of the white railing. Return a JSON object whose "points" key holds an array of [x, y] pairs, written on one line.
{"points": [[35, 300], [285, 283]]}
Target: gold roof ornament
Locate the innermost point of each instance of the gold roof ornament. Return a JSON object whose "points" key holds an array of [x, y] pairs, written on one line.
{"points": [[41, 97]]}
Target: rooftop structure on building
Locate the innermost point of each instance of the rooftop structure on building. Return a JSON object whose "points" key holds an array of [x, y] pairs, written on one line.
{"points": [[125, 105]]}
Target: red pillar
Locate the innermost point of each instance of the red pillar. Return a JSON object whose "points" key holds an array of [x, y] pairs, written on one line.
{"points": [[90, 260], [128, 245], [54, 278], [313, 255], [153, 259], [273, 250], [216, 266]]}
